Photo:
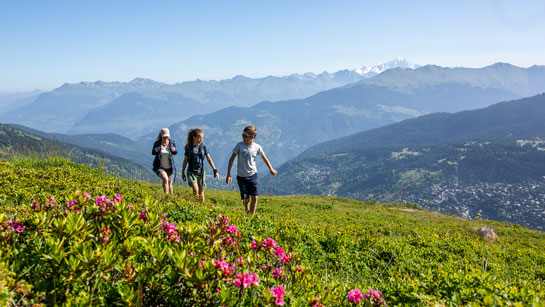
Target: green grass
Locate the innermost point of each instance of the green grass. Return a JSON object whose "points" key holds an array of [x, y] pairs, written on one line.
{"points": [[416, 257]]}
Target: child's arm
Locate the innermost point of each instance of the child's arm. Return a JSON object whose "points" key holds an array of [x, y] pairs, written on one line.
{"points": [[183, 168], [156, 148], [216, 174], [271, 169], [231, 160]]}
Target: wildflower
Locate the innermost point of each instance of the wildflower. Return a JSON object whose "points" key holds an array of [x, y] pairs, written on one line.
{"points": [[285, 258], [277, 273], [355, 296], [86, 196], [232, 229], [372, 293], [105, 240], [239, 260], [300, 268], [16, 226], [268, 242], [278, 293], [279, 251], [129, 207], [254, 245], [246, 280], [35, 206], [143, 215], [118, 198]]}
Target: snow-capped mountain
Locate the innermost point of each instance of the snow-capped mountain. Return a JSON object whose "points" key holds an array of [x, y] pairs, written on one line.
{"points": [[371, 71]]}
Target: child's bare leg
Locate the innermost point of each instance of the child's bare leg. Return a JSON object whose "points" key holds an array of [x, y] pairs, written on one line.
{"points": [[170, 187], [253, 204], [246, 203], [201, 193], [195, 189], [164, 177]]}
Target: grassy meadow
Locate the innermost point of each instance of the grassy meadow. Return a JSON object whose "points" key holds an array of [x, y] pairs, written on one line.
{"points": [[89, 246]]}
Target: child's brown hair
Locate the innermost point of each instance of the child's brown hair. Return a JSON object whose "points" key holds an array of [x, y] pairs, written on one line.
{"points": [[250, 130], [191, 135]]}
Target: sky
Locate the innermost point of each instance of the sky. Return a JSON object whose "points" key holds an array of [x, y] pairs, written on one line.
{"points": [[44, 44]]}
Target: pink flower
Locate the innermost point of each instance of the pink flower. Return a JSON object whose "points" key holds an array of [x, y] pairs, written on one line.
{"points": [[254, 245], [16, 226], [372, 293], [277, 273], [129, 207], [86, 196], [268, 242], [278, 293], [240, 260], [105, 239], [246, 280], [218, 290], [221, 264], [278, 251], [355, 296], [299, 268], [285, 258], [143, 215], [225, 220], [232, 229], [118, 198]]}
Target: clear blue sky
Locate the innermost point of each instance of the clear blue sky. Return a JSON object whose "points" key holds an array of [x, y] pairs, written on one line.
{"points": [[44, 44]]}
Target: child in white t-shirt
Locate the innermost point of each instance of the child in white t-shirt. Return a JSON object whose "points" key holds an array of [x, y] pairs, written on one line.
{"points": [[247, 179]]}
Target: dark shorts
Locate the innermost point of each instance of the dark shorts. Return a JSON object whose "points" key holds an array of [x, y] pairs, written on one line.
{"points": [[247, 186], [167, 171]]}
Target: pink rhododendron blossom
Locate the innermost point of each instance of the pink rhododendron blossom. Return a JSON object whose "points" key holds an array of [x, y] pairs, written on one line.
{"points": [[278, 251], [246, 280], [278, 293], [277, 273], [86, 196], [285, 258], [118, 198], [239, 260], [268, 242], [225, 220], [372, 293], [355, 296], [254, 245], [16, 226], [221, 264], [231, 229]]}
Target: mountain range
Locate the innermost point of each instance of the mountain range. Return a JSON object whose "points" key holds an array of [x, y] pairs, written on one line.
{"points": [[142, 105], [287, 128]]}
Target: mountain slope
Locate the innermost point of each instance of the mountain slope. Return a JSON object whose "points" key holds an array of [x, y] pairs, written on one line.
{"points": [[113, 144], [18, 143], [509, 120], [466, 163]]}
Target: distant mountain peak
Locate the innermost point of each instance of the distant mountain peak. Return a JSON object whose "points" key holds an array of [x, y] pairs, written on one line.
{"points": [[370, 71]]}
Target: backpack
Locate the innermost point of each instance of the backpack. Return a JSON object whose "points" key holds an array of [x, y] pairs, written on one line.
{"points": [[201, 155]]}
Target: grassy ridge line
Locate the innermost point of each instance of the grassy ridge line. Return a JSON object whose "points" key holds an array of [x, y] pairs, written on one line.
{"points": [[416, 257]]}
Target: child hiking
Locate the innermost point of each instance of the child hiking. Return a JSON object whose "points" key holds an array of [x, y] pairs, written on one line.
{"points": [[164, 150], [247, 180], [195, 152]]}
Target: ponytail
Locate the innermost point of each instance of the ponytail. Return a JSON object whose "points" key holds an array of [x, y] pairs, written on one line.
{"points": [[191, 135]]}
